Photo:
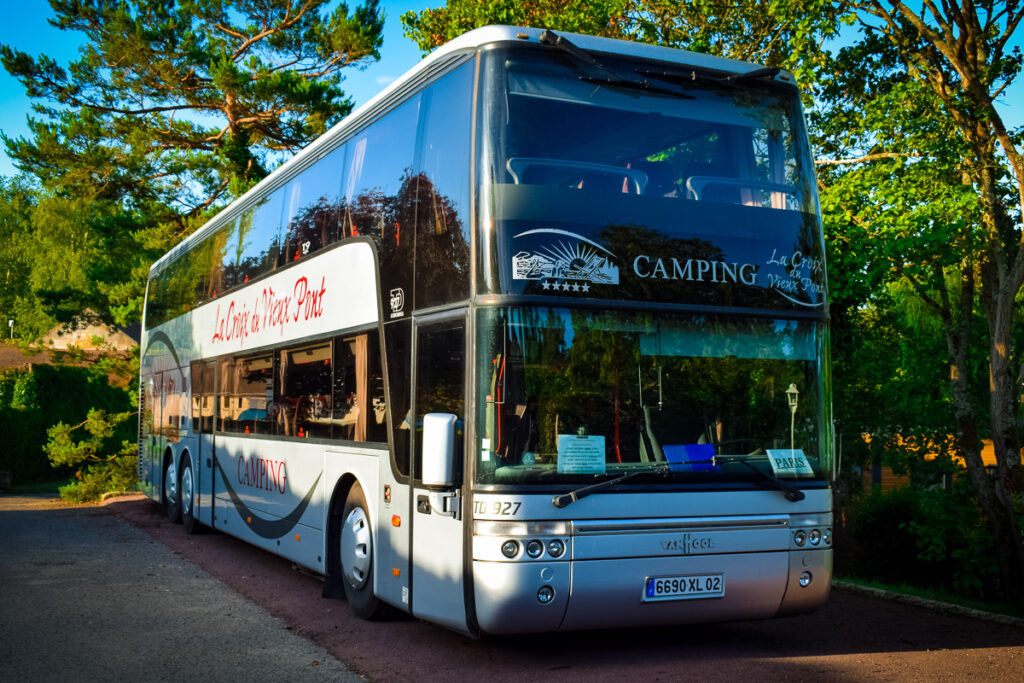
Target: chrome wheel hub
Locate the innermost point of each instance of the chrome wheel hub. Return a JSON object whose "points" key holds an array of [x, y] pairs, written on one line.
{"points": [[356, 547]]}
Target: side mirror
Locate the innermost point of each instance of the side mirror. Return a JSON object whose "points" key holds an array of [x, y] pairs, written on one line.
{"points": [[439, 454]]}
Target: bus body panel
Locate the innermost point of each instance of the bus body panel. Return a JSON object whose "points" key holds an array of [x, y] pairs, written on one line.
{"points": [[394, 526]]}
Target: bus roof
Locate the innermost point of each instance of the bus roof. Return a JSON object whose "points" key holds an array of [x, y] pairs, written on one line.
{"points": [[438, 60]]}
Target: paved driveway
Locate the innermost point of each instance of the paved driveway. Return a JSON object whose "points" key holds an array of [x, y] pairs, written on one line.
{"points": [[86, 596]]}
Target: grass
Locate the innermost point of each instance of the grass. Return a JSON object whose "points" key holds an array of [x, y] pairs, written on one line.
{"points": [[1004, 608]]}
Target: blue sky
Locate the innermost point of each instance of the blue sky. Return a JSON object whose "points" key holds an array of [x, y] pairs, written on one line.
{"points": [[25, 27]]}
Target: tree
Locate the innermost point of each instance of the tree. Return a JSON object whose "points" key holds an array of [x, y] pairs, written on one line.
{"points": [[922, 188], [173, 108], [932, 184], [774, 34]]}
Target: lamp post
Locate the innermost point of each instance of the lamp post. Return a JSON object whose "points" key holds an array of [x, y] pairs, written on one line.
{"points": [[793, 396], [10, 324]]}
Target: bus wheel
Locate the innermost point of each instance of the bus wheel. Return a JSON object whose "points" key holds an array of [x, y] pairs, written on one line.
{"points": [[187, 495], [356, 553], [171, 497]]}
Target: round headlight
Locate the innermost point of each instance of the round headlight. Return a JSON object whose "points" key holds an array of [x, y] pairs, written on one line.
{"points": [[534, 548], [545, 595], [805, 579], [510, 548], [828, 536], [555, 548], [800, 537], [815, 537]]}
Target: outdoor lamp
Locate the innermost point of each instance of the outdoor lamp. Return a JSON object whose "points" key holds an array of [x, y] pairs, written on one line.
{"points": [[793, 396]]}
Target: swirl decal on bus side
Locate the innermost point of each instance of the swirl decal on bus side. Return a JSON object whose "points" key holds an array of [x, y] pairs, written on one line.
{"points": [[268, 528]]}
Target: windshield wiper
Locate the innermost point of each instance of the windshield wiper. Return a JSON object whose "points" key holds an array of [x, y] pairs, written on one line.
{"points": [[791, 494], [610, 77], [694, 78], [571, 497]]}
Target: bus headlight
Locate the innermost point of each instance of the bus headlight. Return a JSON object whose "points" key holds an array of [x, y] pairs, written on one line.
{"points": [[815, 537], [509, 548], [534, 548], [800, 537], [805, 579], [545, 595]]}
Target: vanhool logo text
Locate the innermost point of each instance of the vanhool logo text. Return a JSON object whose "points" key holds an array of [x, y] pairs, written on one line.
{"points": [[687, 544]]}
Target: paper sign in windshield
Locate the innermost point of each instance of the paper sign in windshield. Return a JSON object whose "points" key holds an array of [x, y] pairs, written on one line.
{"points": [[580, 454], [691, 457], [789, 463]]}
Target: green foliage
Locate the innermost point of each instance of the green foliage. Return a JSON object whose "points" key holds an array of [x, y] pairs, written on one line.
{"points": [[930, 538], [95, 480], [104, 463], [777, 33], [33, 400]]}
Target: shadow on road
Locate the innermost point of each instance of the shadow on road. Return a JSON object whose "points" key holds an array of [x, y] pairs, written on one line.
{"points": [[851, 638]]}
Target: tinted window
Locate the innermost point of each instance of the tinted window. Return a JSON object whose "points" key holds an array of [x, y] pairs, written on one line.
{"points": [[311, 203], [397, 340], [379, 191], [259, 238], [440, 376], [442, 216]]}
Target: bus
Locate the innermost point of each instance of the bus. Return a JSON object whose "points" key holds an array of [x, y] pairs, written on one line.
{"points": [[534, 340]]}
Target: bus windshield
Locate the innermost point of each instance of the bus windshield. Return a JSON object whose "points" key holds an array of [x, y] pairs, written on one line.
{"points": [[571, 395]]}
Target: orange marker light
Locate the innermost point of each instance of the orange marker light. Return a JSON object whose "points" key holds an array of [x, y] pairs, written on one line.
{"points": [[395, 571], [396, 520], [248, 520], [297, 538]]}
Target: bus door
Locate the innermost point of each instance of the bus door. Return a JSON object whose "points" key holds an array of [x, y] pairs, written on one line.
{"points": [[437, 584], [150, 447], [203, 401]]}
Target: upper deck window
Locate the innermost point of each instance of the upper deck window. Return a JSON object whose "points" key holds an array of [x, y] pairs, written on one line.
{"points": [[700, 140]]}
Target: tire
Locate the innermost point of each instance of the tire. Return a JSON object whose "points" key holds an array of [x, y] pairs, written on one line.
{"points": [[355, 546], [187, 496], [171, 497]]}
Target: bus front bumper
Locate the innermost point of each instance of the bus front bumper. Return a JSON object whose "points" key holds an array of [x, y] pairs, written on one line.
{"points": [[529, 597]]}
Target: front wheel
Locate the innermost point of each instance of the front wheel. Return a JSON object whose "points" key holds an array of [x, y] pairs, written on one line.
{"points": [[356, 555]]}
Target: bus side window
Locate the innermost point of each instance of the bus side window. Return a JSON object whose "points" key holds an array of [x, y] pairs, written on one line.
{"points": [[304, 409], [442, 215], [311, 204], [225, 394], [358, 405]]}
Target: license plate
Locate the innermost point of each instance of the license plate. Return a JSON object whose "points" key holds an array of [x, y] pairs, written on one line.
{"points": [[684, 587]]}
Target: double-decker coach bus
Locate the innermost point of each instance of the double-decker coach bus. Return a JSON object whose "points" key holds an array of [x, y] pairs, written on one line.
{"points": [[535, 340]]}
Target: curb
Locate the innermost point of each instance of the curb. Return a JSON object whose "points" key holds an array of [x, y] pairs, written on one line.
{"points": [[934, 605]]}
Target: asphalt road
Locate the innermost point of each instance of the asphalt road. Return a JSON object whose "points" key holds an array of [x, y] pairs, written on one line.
{"points": [[85, 596], [854, 638]]}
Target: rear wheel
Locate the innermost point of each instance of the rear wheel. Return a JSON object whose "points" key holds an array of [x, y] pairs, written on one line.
{"points": [[171, 495], [355, 545], [187, 495]]}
